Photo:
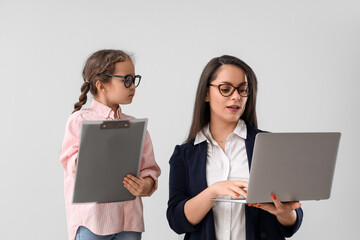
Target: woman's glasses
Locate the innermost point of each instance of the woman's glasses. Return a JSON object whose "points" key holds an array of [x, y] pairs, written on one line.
{"points": [[226, 89], [128, 79]]}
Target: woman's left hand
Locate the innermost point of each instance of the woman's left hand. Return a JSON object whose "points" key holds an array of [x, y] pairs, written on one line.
{"points": [[138, 186], [285, 212]]}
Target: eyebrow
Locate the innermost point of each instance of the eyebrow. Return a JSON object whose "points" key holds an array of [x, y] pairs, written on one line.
{"points": [[231, 83]]}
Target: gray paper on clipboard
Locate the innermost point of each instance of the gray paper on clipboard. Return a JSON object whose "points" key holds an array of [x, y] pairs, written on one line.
{"points": [[108, 151]]}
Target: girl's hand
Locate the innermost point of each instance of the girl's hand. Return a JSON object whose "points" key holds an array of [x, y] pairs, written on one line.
{"points": [[138, 186], [285, 212], [233, 188]]}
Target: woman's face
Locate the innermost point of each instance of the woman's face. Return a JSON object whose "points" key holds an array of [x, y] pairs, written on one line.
{"points": [[226, 109]]}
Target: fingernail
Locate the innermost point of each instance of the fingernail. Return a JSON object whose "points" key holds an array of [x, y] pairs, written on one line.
{"points": [[258, 205], [237, 195], [273, 196], [250, 205]]}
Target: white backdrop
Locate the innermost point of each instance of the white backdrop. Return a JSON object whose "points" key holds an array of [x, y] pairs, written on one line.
{"points": [[306, 55]]}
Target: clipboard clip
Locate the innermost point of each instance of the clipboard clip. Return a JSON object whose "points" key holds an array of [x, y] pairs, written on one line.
{"points": [[114, 124]]}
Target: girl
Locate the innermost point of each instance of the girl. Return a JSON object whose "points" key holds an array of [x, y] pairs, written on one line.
{"points": [[215, 161], [110, 76]]}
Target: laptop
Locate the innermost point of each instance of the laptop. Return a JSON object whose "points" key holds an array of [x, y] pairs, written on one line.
{"points": [[293, 166]]}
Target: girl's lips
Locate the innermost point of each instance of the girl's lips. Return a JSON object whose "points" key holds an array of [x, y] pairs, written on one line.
{"points": [[233, 108]]}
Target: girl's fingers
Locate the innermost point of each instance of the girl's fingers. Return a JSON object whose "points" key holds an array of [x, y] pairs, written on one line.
{"points": [[133, 190], [135, 185], [134, 179], [135, 182], [129, 182], [128, 187]]}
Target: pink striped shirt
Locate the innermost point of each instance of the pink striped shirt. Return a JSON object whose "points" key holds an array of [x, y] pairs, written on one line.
{"points": [[104, 218]]}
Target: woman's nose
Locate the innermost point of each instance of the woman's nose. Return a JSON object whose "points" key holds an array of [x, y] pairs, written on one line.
{"points": [[236, 95]]}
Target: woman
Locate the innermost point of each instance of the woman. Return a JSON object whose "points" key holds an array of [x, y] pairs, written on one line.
{"points": [[215, 161]]}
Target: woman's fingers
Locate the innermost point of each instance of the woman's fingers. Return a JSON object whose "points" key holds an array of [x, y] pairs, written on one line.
{"points": [[277, 208], [276, 201], [238, 191], [243, 184], [230, 188], [292, 205]]}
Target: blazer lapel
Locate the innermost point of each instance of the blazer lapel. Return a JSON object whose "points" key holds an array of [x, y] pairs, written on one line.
{"points": [[251, 214], [197, 167]]}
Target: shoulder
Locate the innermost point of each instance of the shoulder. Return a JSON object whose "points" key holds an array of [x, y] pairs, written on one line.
{"points": [[188, 150], [253, 131], [75, 119], [83, 114], [125, 116], [188, 146]]}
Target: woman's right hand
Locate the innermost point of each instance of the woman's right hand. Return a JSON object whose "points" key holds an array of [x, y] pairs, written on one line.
{"points": [[233, 188], [197, 207]]}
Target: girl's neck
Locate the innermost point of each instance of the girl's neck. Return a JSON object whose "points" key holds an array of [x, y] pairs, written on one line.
{"points": [[104, 102], [220, 130]]}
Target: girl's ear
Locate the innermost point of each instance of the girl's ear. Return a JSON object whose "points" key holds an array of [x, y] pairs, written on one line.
{"points": [[100, 86]]}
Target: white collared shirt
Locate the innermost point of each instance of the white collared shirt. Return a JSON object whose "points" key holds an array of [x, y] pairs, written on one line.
{"points": [[229, 218]]}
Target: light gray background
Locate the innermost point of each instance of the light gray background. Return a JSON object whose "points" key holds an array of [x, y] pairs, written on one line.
{"points": [[306, 55]]}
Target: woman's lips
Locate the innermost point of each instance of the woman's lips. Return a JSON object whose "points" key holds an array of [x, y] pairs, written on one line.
{"points": [[233, 108]]}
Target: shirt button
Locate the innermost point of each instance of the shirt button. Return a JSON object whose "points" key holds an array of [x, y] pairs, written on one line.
{"points": [[263, 235]]}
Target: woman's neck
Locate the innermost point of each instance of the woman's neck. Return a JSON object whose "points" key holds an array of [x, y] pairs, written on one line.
{"points": [[220, 130]]}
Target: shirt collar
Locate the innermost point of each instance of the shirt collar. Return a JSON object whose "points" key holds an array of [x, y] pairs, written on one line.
{"points": [[241, 129], [203, 135], [104, 110]]}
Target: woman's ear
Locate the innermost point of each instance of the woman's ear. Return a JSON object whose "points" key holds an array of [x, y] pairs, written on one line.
{"points": [[207, 98], [100, 86]]}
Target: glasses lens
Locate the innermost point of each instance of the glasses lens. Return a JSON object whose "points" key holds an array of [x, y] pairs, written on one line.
{"points": [[137, 80], [244, 90], [128, 80], [226, 90]]}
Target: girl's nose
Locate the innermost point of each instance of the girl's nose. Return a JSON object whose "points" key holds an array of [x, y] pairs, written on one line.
{"points": [[132, 86]]}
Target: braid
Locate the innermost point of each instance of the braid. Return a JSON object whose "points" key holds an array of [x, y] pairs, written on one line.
{"points": [[99, 62], [82, 99]]}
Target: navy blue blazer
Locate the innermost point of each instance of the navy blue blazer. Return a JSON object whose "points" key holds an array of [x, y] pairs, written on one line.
{"points": [[188, 178]]}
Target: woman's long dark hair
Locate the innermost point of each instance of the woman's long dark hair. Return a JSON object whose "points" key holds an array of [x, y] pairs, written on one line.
{"points": [[201, 115]]}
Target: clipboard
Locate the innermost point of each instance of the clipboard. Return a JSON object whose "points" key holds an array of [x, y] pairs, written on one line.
{"points": [[108, 151]]}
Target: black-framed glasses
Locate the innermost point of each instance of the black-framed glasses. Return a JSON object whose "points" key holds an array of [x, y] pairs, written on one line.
{"points": [[128, 79], [227, 89]]}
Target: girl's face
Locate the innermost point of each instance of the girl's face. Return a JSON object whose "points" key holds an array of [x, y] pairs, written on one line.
{"points": [[115, 91], [226, 109]]}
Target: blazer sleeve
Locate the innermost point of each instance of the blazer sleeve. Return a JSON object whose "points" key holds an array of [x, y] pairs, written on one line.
{"points": [[178, 193], [289, 231]]}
